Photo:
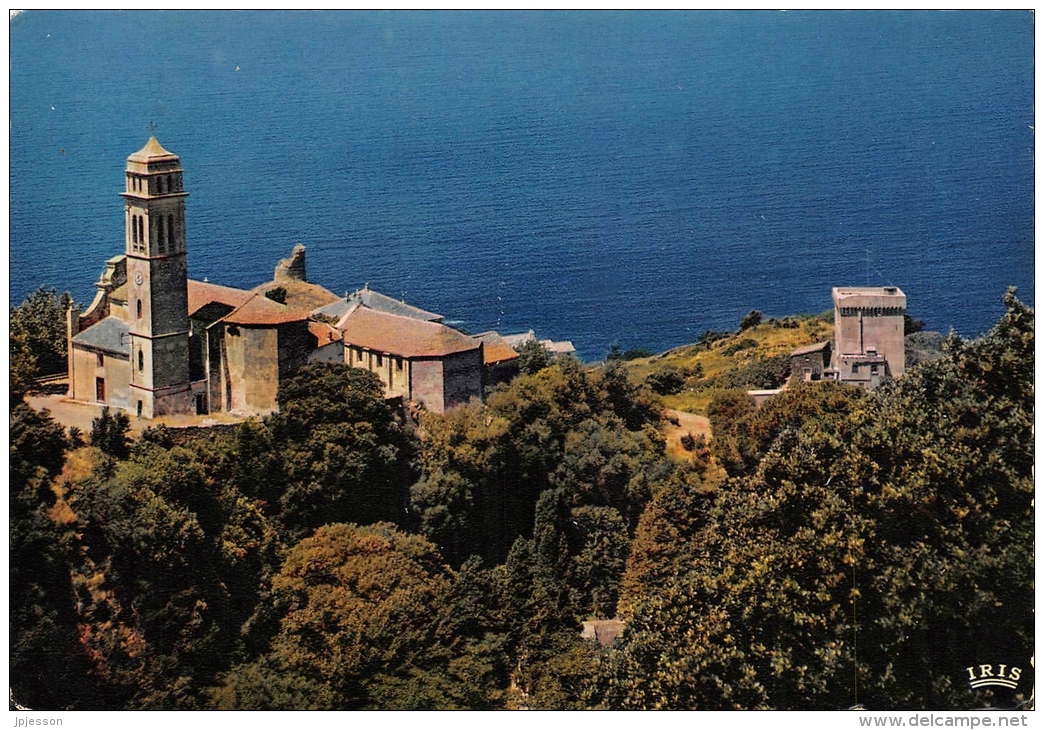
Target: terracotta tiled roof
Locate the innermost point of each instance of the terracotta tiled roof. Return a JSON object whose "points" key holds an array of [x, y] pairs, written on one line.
{"points": [[202, 293], [495, 349], [262, 311], [403, 336], [300, 295], [323, 333]]}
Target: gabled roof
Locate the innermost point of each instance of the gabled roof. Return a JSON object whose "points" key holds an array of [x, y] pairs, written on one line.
{"points": [[495, 349], [378, 302], [809, 349], [323, 333], [383, 303], [110, 335], [404, 336], [260, 311], [202, 293]]}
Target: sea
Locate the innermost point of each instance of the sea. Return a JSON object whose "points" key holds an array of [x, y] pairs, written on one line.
{"points": [[609, 178]]}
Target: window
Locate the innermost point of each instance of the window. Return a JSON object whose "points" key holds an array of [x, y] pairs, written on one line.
{"points": [[139, 309], [139, 409], [873, 369], [101, 360], [141, 361], [380, 361], [398, 364], [855, 367], [170, 231], [141, 230]]}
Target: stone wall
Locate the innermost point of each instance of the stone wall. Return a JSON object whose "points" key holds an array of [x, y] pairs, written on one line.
{"points": [[462, 378], [252, 361], [426, 383]]}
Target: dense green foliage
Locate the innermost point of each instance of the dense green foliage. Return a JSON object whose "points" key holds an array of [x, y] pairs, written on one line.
{"points": [[854, 547], [865, 555], [533, 357], [38, 339]]}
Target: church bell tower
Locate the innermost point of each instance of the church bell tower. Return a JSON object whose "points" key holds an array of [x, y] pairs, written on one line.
{"points": [[157, 283]]}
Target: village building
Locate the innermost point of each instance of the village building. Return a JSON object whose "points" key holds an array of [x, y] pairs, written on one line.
{"points": [[869, 335], [500, 360], [418, 360], [154, 342], [810, 363], [562, 347]]}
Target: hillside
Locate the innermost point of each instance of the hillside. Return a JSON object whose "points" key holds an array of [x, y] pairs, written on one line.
{"points": [[757, 357]]}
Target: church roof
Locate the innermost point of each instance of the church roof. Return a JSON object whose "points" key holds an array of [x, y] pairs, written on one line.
{"points": [[152, 150], [202, 293], [323, 333], [110, 335], [261, 311], [403, 336], [300, 295], [379, 302]]}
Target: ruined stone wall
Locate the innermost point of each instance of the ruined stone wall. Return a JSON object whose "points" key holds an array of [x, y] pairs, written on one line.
{"points": [[293, 268]]}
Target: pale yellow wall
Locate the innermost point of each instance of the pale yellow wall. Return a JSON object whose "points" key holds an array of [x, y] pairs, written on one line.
{"points": [[115, 371], [253, 365]]}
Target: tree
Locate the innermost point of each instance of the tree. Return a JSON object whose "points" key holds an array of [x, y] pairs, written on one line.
{"points": [[751, 320], [744, 433], [360, 618], [345, 454], [866, 560], [175, 557], [945, 465], [49, 669], [38, 331], [484, 467], [109, 433], [666, 381], [533, 357]]}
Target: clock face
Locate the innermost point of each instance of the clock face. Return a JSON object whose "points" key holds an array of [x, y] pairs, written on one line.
{"points": [[138, 278]]}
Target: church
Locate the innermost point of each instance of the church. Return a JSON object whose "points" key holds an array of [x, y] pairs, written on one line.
{"points": [[154, 342]]}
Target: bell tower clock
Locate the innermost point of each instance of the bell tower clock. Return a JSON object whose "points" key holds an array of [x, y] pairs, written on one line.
{"points": [[157, 283]]}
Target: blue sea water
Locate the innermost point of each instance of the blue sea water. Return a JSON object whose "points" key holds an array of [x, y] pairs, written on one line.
{"points": [[628, 178]]}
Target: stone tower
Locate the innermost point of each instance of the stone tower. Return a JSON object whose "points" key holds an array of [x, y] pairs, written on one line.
{"points": [[869, 343], [157, 283]]}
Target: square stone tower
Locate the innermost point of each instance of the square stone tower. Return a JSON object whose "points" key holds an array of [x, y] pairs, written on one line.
{"points": [[157, 280], [869, 337]]}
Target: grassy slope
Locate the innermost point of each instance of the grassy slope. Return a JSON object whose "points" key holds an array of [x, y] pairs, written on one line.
{"points": [[772, 338]]}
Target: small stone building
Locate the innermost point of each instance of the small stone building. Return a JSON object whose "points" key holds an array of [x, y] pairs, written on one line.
{"points": [[810, 363]]}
